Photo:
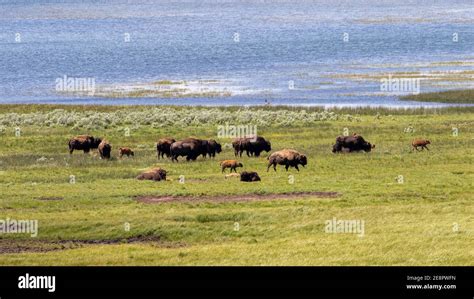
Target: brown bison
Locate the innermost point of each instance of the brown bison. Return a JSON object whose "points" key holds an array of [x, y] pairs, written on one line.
{"points": [[126, 151], [352, 143], [163, 147], [83, 143], [155, 174], [287, 157], [104, 149], [251, 145], [189, 147], [420, 143], [249, 176], [232, 164]]}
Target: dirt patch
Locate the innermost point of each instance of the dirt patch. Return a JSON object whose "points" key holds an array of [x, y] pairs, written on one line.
{"points": [[19, 245], [232, 198]]}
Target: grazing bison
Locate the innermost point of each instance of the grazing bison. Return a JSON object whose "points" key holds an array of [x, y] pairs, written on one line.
{"points": [[155, 174], [251, 145], [189, 147], [83, 143], [232, 164], [163, 147], [420, 143], [352, 143], [249, 176], [126, 151], [104, 149], [287, 157]]}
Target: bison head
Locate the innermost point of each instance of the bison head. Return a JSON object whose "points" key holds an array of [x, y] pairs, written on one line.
{"points": [[367, 147], [267, 146], [302, 160]]}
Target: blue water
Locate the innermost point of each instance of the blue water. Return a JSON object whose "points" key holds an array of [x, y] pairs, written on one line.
{"points": [[278, 42]]}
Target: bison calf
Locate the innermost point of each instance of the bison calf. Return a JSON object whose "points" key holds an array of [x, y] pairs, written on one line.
{"points": [[232, 164], [287, 157], [249, 176], [155, 174], [126, 151], [104, 149], [420, 143]]}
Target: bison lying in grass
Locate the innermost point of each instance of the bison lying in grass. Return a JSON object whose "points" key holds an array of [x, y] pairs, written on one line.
{"points": [[420, 143], [232, 164], [249, 176], [155, 174], [83, 143], [352, 143], [287, 157]]}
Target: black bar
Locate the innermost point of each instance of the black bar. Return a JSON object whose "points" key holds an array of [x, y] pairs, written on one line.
{"points": [[241, 282]]}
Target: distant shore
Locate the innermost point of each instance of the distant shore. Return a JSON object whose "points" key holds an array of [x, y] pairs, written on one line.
{"points": [[462, 96]]}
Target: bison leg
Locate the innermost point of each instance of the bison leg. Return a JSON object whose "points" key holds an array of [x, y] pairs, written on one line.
{"points": [[286, 166], [296, 166], [70, 151], [223, 169], [268, 167], [426, 147]]}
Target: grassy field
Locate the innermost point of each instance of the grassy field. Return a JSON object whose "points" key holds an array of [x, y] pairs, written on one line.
{"points": [[463, 96], [416, 207]]}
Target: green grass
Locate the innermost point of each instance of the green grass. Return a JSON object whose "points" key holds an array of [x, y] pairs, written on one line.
{"points": [[464, 96], [405, 224]]}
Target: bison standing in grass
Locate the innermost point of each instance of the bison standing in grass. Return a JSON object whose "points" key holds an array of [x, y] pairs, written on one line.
{"points": [[126, 151], [83, 143], [352, 143], [191, 148], [105, 149], [420, 143], [232, 164], [287, 157], [163, 147], [154, 174], [211, 148], [251, 145]]}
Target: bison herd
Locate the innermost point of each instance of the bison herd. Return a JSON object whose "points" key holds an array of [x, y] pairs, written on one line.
{"points": [[192, 148]]}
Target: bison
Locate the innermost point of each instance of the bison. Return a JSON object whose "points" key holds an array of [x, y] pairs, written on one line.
{"points": [[287, 157], [249, 176], [126, 151], [211, 148], [189, 147], [251, 145], [154, 174], [163, 147], [420, 143], [232, 164], [104, 149], [352, 143], [83, 143]]}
